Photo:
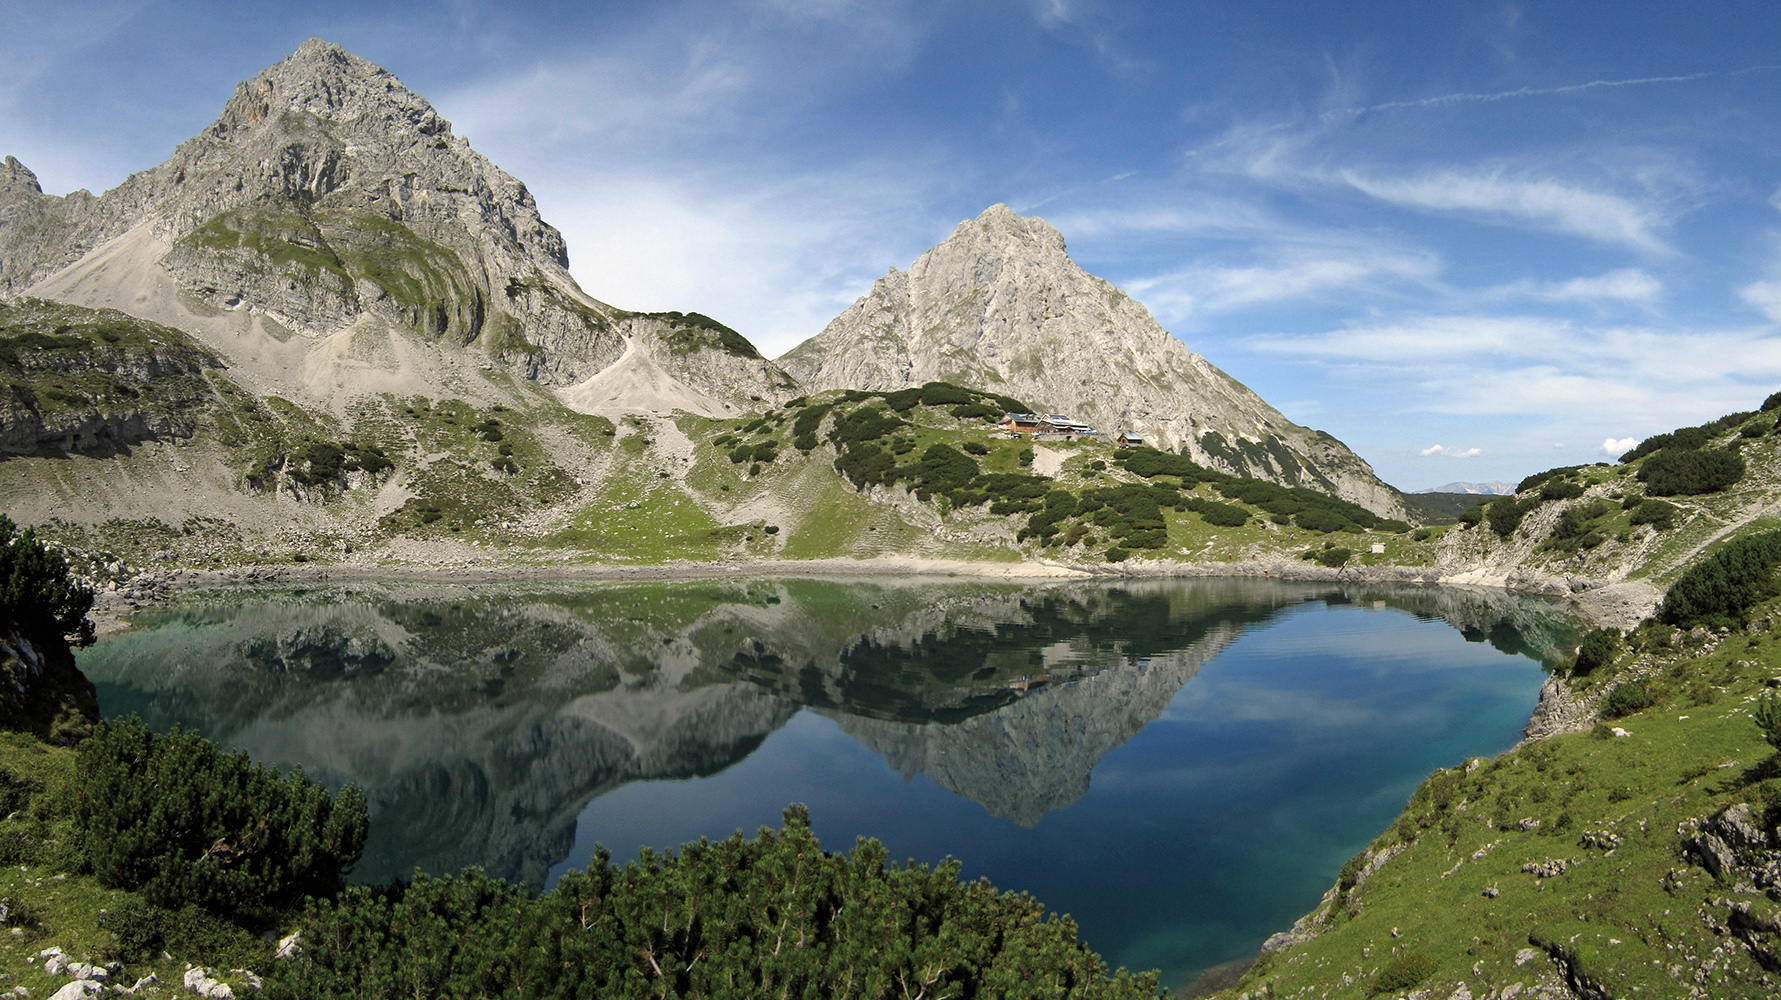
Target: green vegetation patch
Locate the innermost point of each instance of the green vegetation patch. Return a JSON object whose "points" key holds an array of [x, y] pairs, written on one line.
{"points": [[1682, 472], [771, 916], [1721, 589], [688, 332], [1308, 508], [179, 820]]}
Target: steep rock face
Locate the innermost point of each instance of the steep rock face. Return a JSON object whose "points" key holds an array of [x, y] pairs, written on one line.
{"points": [[327, 196], [1001, 306]]}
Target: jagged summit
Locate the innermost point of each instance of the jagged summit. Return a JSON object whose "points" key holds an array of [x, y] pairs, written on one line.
{"points": [[325, 80], [1000, 305], [329, 201]]}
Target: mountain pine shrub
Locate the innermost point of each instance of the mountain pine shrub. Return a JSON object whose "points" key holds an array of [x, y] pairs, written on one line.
{"points": [[769, 917], [1719, 589], [1675, 472], [1598, 649], [184, 822], [36, 592]]}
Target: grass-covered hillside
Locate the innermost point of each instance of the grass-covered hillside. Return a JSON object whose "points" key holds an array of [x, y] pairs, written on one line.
{"points": [[1641, 518]]}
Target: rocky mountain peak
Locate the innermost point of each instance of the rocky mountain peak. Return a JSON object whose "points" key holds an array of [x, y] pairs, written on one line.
{"points": [[17, 180], [998, 232], [999, 305], [326, 81], [326, 199]]}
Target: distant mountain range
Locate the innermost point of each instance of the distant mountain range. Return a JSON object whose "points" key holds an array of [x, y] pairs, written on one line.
{"points": [[1490, 489]]}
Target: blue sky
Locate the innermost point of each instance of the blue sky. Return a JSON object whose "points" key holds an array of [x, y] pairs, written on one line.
{"points": [[1473, 241]]}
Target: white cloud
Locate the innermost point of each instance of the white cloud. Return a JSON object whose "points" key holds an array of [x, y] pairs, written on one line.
{"points": [[1764, 295], [1619, 446], [775, 263], [1541, 201], [1438, 449], [1529, 366], [1295, 274], [1627, 285]]}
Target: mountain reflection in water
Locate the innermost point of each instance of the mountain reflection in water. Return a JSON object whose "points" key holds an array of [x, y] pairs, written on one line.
{"points": [[482, 721]]}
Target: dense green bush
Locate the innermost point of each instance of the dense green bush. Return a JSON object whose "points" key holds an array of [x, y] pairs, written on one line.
{"points": [[1473, 516], [1505, 514], [772, 916], [1719, 589], [1222, 515], [943, 469], [864, 424], [1598, 649], [1675, 472], [1687, 438], [1561, 490], [1626, 699], [1659, 514], [1767, 716], [36, 592], [1335, 557], [975, 448], [186, 823], [1540, 478]]}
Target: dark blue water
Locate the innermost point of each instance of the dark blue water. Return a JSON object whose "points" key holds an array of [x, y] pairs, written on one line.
{"points": [[1180, 766]]}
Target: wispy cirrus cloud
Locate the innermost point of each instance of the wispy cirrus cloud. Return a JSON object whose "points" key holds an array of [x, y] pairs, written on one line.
{"points": [[1531, 366], [1295, 274], [1541, 201], [1441, 449], [1626, 285], [1492, 97]]}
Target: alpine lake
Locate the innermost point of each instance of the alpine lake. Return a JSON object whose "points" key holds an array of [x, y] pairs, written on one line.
{"points": [[1182, 766]]}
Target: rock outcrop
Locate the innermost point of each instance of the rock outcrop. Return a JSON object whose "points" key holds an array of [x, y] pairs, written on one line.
{"points": [[1001, 306]]}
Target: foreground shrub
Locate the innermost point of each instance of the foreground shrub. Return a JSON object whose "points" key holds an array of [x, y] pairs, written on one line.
{"points": [[1767, 716], [184, 822], [1598, 649], [36, 593], [772, 916], [1626, 699], [1505, 514], [1403, 973], [1719, 589]]}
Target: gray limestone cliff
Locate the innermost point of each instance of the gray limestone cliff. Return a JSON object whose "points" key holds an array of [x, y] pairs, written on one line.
{"points": [[1001, 306]]}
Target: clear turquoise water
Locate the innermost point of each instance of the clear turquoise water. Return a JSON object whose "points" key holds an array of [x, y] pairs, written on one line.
{"points": [[1205, 755]]}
